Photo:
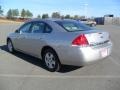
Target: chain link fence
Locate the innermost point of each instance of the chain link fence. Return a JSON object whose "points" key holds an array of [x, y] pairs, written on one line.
{"points": [[111, 20]]}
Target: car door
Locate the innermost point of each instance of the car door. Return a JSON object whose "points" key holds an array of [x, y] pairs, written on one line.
{"points": [[20, 40], [35, 39]]}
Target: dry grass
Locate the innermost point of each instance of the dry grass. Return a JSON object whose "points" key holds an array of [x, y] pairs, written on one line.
{"points": [[9, 22]]}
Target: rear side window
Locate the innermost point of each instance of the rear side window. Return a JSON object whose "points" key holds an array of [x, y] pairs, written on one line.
{"points": [[37, 27], [40, 27], [48, 29]]}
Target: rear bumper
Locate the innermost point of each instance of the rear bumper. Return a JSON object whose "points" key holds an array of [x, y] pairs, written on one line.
{"points": [[81, 56]]}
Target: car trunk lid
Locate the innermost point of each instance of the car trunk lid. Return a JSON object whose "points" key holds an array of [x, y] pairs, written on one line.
{"points": [[97, 38]]}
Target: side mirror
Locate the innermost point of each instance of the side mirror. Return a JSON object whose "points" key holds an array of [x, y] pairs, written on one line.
{"points": [[17, 31]]}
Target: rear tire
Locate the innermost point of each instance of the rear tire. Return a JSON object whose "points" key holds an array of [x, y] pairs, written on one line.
{"points": [[51, 60]]}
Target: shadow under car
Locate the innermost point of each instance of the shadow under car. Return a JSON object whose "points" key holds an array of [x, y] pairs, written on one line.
{"points": [[40, 63]]}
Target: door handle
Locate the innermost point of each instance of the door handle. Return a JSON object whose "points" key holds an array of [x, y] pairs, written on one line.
{"points": [[19, 37]]}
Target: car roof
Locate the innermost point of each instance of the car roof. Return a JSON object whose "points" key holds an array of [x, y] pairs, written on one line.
{"points": [[36, 19], [49, 19]]}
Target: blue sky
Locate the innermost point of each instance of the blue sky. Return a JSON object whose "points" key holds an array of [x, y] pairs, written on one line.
{"points": [[73, 7]]}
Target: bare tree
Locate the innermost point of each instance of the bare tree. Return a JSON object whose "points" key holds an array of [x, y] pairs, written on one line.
{"points": [[45, 16], [9, 14], [39, 16], [1, 11], [23, 13], [28, 14], [55, 15], [67, 16], [15, 12]]}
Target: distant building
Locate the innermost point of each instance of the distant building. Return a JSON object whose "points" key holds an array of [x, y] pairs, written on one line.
{"points": [[107, 19], [99, 20], [109, 15]]}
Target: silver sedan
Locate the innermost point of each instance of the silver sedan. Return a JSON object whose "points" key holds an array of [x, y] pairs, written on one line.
{"points": [[59, 42]]}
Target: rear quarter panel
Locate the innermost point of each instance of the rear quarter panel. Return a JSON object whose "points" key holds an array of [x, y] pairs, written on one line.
{"points": [[61, 42]]}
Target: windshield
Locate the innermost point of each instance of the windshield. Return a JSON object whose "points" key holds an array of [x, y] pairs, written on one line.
{"points": [[73, 26]]}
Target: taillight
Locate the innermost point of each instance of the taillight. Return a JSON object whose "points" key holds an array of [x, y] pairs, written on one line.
{"points": [[80, 41]]}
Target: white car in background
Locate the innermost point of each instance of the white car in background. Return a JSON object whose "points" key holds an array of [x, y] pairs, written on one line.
{"points": [[89, 22]]}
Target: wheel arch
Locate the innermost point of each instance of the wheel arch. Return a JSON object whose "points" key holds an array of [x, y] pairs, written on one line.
{"points": [[8, 38], [48, 47]]}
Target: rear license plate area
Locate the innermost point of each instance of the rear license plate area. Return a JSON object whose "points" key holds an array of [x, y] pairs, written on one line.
{"points": [[104, 52]]}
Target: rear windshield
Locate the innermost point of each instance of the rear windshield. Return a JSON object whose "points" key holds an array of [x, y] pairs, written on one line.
{"points": [[73, 26]]}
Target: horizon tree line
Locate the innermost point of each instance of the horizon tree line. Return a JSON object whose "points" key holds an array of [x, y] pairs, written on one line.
{"points": [[15, 13]]}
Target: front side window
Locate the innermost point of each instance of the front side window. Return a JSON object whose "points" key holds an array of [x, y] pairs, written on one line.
{"points": [[25, 28]]}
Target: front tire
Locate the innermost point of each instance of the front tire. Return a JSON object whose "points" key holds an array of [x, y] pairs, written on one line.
{"points": [[10, 46], [51, 60]]}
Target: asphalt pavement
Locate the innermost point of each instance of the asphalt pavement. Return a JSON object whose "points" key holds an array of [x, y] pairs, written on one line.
{"points": [[23, 72]]}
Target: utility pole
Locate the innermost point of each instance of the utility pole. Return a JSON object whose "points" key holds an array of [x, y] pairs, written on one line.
{"points": [[86, 9]]}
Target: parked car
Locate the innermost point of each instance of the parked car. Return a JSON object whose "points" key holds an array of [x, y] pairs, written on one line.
{"points": [[89, 22], [59, 42]]}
